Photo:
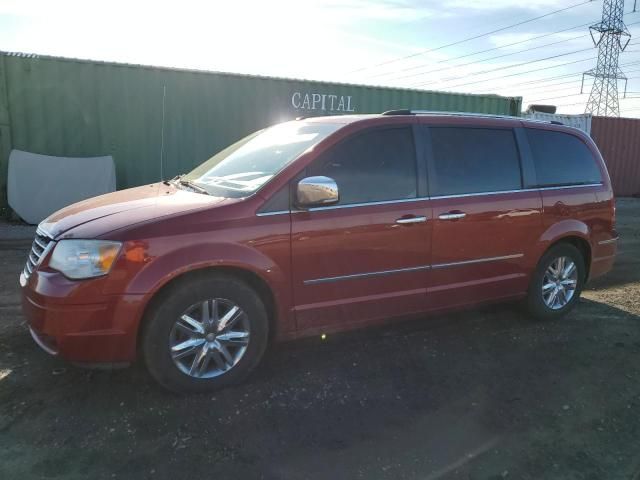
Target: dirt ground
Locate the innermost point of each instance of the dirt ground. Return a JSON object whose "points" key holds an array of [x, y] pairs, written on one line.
{"points": [[484, 394]]}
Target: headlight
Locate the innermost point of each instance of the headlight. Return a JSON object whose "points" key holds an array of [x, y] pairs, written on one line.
{"points": [[84, 258]]}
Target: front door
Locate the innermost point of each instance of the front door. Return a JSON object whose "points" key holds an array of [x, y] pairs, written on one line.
{"points": [[367, 257], [485, 224]]}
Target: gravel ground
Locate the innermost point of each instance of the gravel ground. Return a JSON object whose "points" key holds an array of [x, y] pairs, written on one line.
{"points": [[484, 394], [16, 231]]}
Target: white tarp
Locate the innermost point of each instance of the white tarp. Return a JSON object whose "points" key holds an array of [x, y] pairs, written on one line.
{"points": [[38, 185], [581, 121]]}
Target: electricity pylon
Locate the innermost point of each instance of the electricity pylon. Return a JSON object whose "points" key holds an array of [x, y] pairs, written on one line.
{"points": [[611, 37]]}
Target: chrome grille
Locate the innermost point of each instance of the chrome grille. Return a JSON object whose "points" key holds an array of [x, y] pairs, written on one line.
{"points": [[38, 249]]}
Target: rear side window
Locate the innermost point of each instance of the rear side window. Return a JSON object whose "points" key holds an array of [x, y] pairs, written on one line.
{"points": [[473, 160], [561, 159], [377, 165]]}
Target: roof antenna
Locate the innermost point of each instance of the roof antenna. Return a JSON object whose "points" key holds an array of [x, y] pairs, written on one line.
{"points": [[164, 95]]}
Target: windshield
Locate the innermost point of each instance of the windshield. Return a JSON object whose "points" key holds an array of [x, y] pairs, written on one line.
{"points": [[242, 168]]}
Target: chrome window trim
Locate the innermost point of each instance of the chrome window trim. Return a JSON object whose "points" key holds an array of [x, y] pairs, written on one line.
{"points": [[599, 184], [435, 197], [498, 192], [606, 242], [477, 260], [364, 275], [463, 195], [315, 281], [366, 204]]}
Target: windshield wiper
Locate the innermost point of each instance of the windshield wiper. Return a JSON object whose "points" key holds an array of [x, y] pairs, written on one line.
{"points": [[177, 177], [196, 187]]}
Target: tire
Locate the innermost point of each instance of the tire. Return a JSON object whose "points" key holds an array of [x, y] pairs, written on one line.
{"points": [[165, 333], [539, 303]]}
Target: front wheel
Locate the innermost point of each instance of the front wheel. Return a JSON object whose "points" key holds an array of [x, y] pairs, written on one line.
{"points": [[206, 333], [557, 282]]}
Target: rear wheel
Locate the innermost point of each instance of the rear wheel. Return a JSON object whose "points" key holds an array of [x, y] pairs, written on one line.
{"points": [[207, 333], [557, 282]]}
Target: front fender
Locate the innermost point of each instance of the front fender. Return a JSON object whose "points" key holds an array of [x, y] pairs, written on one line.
{"points": [[169, 265], [161, 269]]}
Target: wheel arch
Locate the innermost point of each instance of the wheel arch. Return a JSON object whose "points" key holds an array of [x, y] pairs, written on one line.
{"points": [[249, 277], [581, 243]]}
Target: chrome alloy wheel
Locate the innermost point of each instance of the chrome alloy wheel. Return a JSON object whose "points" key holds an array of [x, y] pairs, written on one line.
{"points": [[209, 338], [559, 283]]}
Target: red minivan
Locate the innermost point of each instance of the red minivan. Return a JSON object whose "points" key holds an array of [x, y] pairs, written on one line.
{"points": [[319, 225]]}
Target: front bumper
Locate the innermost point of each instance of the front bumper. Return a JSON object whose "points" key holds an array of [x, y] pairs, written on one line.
{"points": [[71, 320]]}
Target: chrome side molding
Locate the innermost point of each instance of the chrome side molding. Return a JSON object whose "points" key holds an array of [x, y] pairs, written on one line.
{"points": [[477, 260], [354, 276], [364, 275]]}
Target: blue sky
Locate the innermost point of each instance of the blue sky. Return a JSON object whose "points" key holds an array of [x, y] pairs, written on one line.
{"points": [[337, 40]]}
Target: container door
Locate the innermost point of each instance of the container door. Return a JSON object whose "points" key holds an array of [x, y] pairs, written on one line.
{"points": [[485, 225], [367, 257]]}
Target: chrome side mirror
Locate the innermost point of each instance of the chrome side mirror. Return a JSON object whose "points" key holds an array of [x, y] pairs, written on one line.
{"points": [[317, 192]]}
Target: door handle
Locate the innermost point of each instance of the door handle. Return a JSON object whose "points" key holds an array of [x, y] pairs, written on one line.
{"points": [[452, 216], [405, 220]]}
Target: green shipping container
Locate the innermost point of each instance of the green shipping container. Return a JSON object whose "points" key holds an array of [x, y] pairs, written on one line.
{"points": [[158, 122]]}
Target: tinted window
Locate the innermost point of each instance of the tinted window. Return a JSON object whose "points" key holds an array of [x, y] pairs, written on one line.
{"points": [[279, 201], [561, 159], [473, 160], [377, 165]]}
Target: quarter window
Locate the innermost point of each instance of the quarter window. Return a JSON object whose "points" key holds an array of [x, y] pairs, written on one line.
{"points": [[377, 165], [561, 159], [473, 160]]}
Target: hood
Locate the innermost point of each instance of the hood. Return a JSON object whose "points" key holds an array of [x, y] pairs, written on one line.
{"points": [[116, 210]]}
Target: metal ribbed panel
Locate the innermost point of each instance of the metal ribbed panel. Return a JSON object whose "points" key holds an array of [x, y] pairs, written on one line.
{"points": [[71, 107], [619, 142]]}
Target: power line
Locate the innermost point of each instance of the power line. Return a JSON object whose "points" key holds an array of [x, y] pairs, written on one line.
{"points": [[460, 77], [491, 58], [531, 71], [414, 67], [537, 100], [542, 81], [468, 39], [574, 94], [538, 87], [582, 103], [508, 66], [445, 60], [520, 73], [546, 85]]}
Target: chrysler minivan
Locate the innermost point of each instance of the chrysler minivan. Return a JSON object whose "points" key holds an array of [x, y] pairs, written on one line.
{"points": [[320, 225]]}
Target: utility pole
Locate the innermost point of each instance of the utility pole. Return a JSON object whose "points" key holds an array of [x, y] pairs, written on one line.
{"points": [[611, 37]]}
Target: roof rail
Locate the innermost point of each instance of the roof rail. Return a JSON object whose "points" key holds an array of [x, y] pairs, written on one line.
{"points": [[444, 113], [398, 112], [467, 114], [463, 114]]}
